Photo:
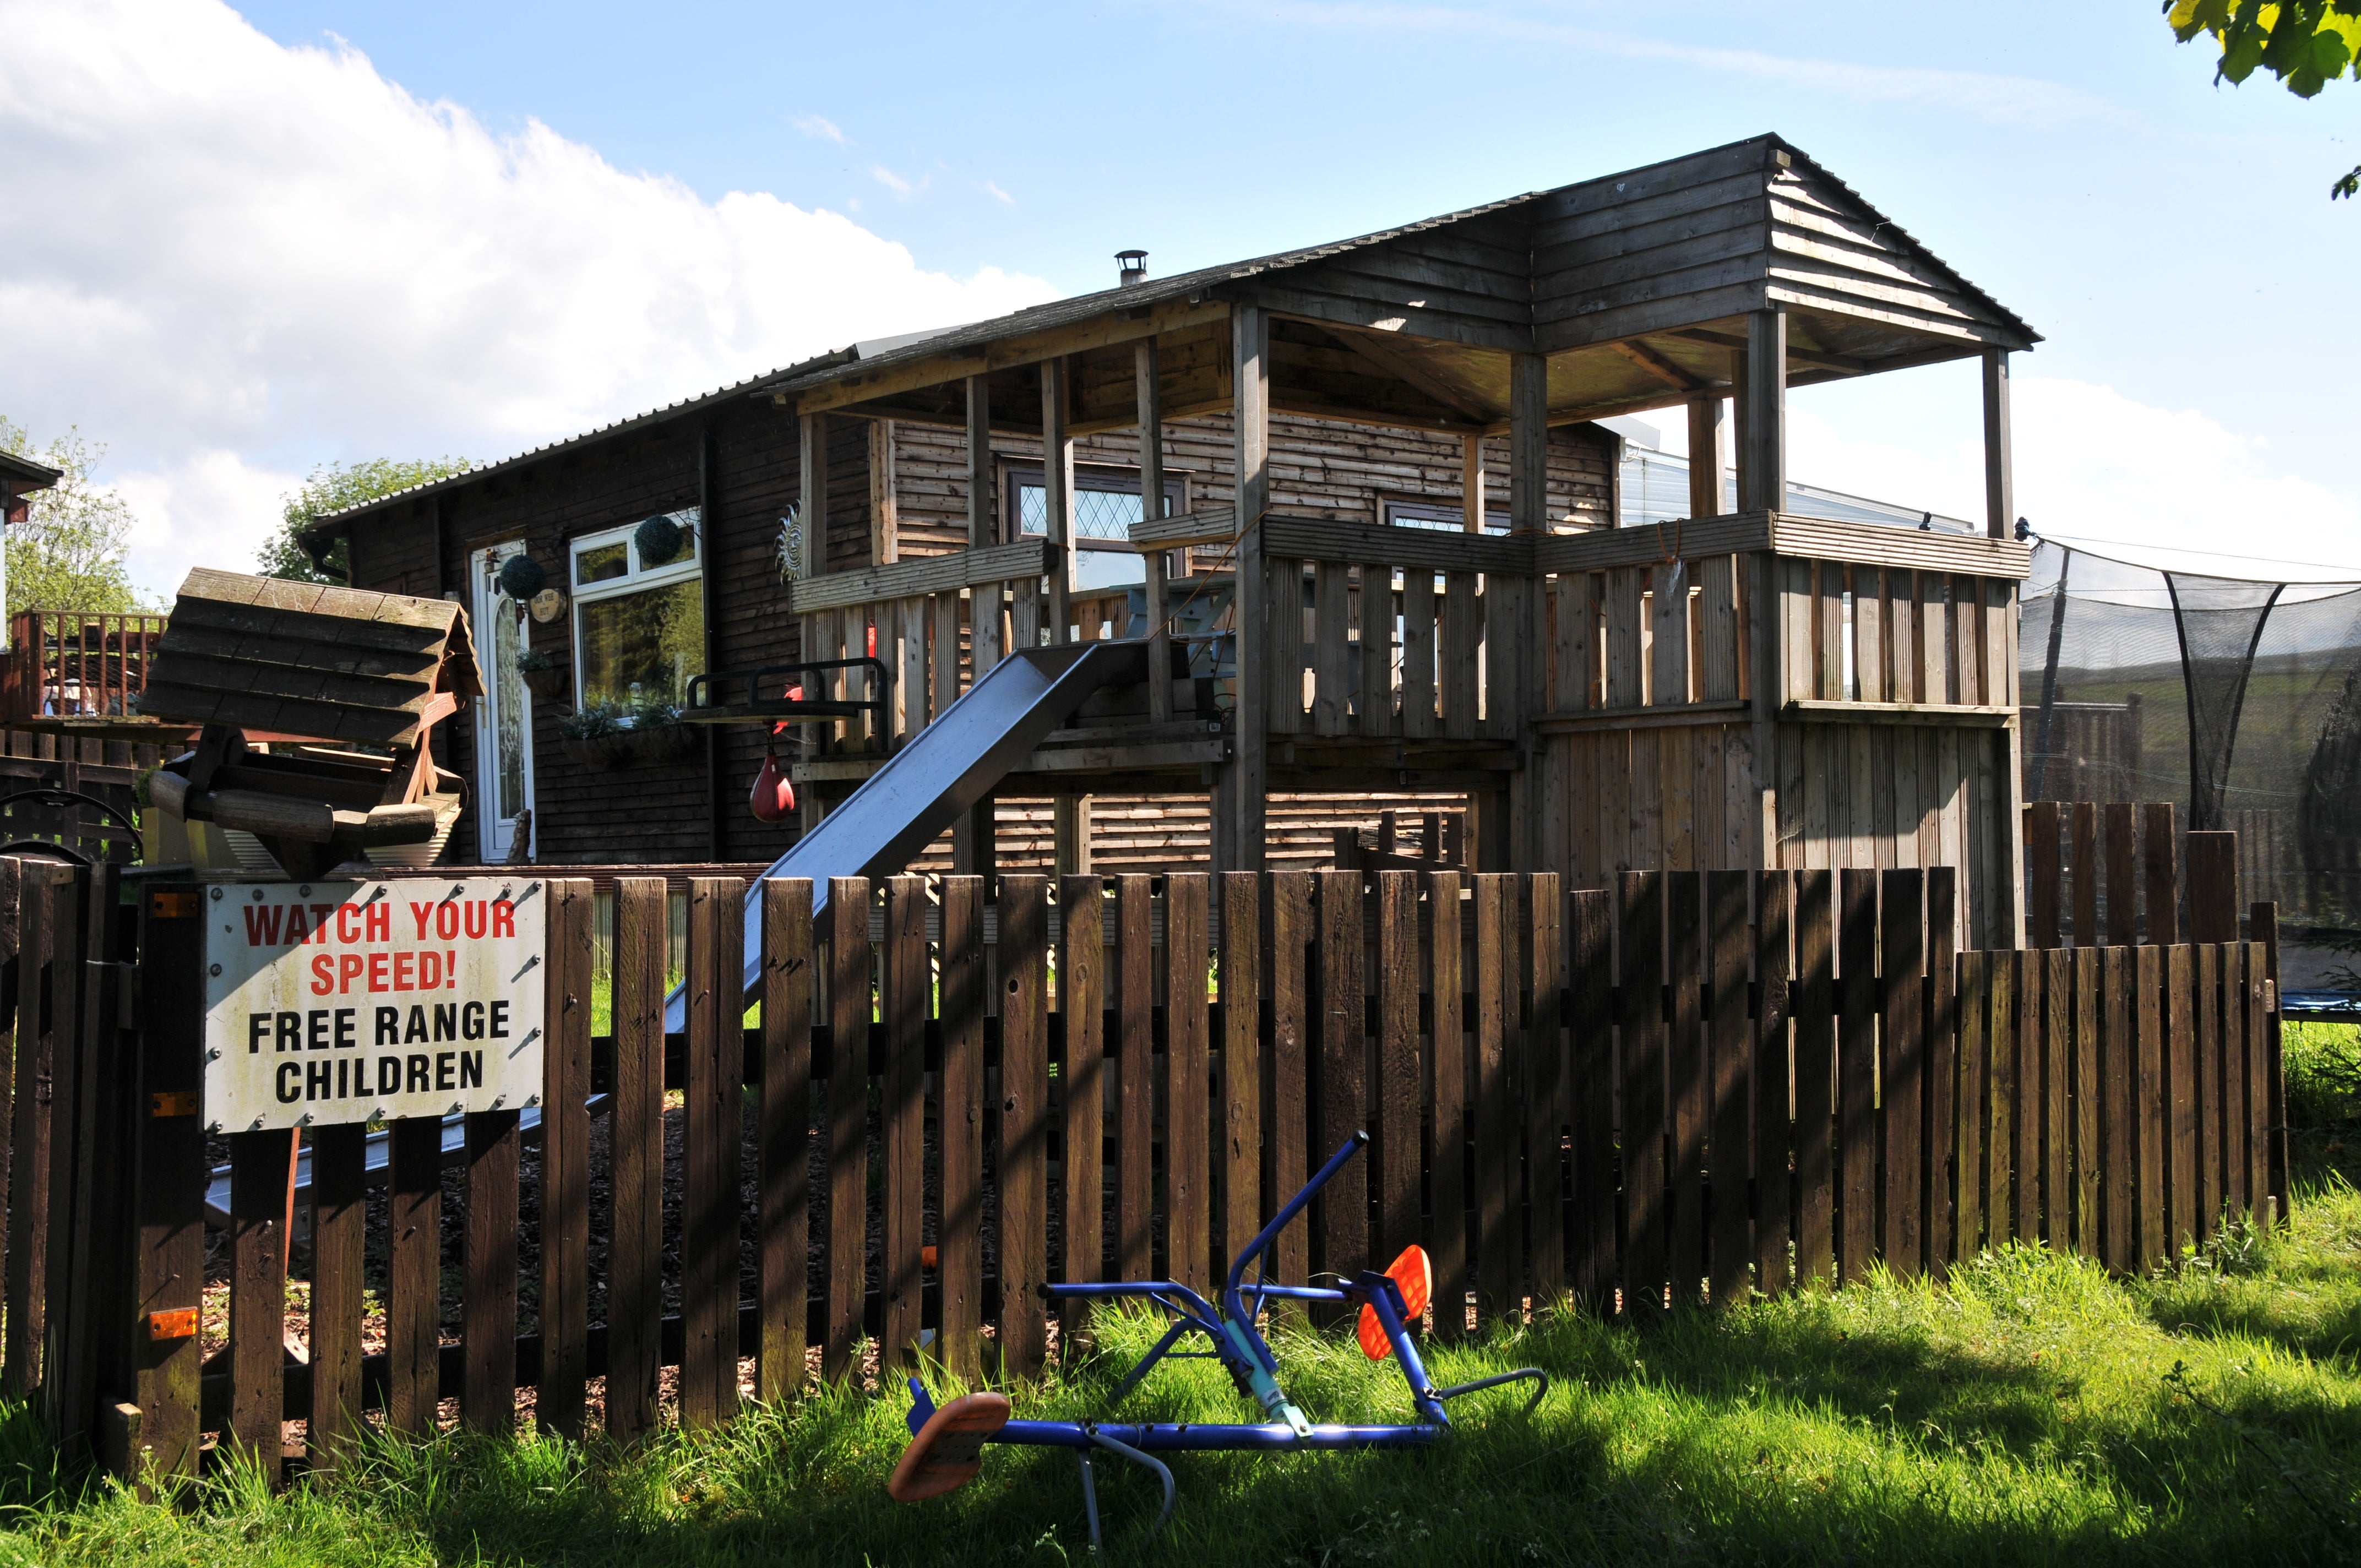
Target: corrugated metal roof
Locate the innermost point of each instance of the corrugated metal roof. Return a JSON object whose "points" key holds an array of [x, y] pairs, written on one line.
{"points": [[913, 347]]}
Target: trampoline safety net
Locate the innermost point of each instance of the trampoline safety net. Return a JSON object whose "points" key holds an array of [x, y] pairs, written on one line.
{"points": [[2238, 701]]}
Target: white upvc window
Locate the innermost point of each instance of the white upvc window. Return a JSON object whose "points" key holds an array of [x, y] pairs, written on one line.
{"points": [[639, 625]]}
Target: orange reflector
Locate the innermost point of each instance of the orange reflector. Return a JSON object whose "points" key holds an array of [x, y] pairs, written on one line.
{"points": [[180, 1322], [173, 903], [1413, 1276], [926, 1257], [173, 1102]]}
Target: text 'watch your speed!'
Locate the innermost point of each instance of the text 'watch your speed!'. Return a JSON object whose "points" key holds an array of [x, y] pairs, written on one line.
{"points": [[365, 1001]]}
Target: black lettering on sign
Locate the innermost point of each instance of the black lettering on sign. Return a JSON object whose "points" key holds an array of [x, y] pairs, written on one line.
{"points": [[316, 1081], [291, 1082], [291, 1032], [416, 1034], [446, 1018], [418, 1080], [471, 1021], [388, 1026], [257, 1026], [389, 1075], [443, 1081], [318, 1034], [345, 1040], [471, 1070], [500, 1019]]}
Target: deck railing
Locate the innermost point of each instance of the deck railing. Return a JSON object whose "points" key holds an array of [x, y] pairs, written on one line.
{"points": [[65, 663]]}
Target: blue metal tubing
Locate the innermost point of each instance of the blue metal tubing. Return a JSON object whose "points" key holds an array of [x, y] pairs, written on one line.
{"points": [[1183, 1436], [1234, 1303]]}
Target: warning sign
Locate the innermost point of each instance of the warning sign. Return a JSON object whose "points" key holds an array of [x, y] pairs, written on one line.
{"points": [[353, 1001]]}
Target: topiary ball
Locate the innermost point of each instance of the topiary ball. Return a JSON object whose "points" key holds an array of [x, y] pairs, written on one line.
{"points": [[659, 540], [521, 577]]}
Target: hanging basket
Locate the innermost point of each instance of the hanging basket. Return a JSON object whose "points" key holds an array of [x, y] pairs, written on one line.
{"points": [[521, 577], [550, 685], [659, 540], [596, 753], [662, 742]]}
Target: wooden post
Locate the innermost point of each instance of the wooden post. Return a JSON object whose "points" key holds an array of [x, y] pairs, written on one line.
{"points": [[1057, 494], [1704, 455], [1471, 482], [1528, 515], [1999, 498], [884, 516], [971, 835], [1151, 395], [708, 467], [811, 513], [169, 1180], [1249, 771], [1763, 414]]}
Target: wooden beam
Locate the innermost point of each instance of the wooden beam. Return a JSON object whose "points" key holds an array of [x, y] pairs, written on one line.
{"points": [[1706, 445], [1406, 368], [811, 508], [1471, 483], [885, 522], [1817, 358], [979, 462], [1519, 656], [1057, 493], [2000, 500], [1655, 363], [1149, 397], [1248, 773], [1763, 416], [1127, 324]]}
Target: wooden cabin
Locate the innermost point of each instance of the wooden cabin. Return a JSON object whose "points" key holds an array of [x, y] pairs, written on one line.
{"points": [[1275, 463]]}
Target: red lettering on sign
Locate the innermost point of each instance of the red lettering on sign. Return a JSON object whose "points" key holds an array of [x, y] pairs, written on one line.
{"points": [[422, 912], [446, 920], [404, 965], [320, 913], [298, 929], [429, 970], [503, 918], [475, 919], [348, 969], [262, 924], [380, 923], [347, 929], [377, 981], [323, 975]]}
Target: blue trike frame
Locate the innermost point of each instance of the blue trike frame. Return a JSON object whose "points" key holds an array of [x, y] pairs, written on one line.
{"points": [[1243, 1352]]}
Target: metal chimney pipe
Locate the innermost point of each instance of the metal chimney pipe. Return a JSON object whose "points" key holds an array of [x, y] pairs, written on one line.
{"points": [[1132, 268]]}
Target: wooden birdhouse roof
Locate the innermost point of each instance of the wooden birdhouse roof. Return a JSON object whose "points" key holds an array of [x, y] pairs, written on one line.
{"points": [[261, 653]]}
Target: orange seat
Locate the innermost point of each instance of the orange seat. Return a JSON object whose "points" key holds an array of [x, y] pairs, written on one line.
{"points": [[947, 1452], [1413, 1276]]}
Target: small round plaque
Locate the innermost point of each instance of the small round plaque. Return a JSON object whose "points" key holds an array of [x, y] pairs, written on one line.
{"points": [[547, 606]]}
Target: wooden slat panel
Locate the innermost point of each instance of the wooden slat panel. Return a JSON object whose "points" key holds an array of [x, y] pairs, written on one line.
{"points": [[2263, 923], [1669, 616], [1868, 635], [1903, 1069], [1545, 1077], [414, 1274], [1374, 701], [1082, 1084], [1625, 686], [1773, 1189], [2259, 1082], [1023, 1121], [2057, 1125], [1716, 608], [2025, 1160], [2083, 1071], [1418, 642], [2083, 827], [1447, 1086], [1590, 974], [1436, 550], [2042, 886], [1815, 1054], [2149, 1023], [30, 1140], [959, 1255], [1188, 1176], [2002, 1045], [905, 999], [1330, 650], [1975, 1003], [1686, 1083], [1293, 928], [339, 1238], [565, 1305], [1462, 633], [1856, 1076], [1395, 1136], [1135, 1073], [488, 1300], [636, 1156], [1240, 1136], [2118, 1065], [261, 1167], [944, 613], [1642, 918], [2180, 1098], [846, 1247], [1289, 648], [714, 1125], [991, 563], [1939, 1184], [167, 1192], [2159, 873], [782, 1219], [1729, 1047], [1495, 1125], [2122, 890], [2206, 1048], [1341, 1221]]}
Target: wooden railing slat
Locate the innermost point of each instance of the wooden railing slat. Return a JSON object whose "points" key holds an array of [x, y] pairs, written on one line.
{"points": [[906, 1001], [1024, 1120], [1686, 1083], [1188, 1064], [959, 1254], [1448, 1084], [1815, 1055], [849, 976], [782, 1177], [565, 1307], [1134, 1001], [1082, 1084]]}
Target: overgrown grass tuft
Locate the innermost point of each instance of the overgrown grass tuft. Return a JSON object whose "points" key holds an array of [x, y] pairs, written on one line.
{"points": [[2032, 1410]]}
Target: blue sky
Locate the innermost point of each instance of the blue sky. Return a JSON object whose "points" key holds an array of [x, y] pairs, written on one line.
{"points": [[2172, 240]]}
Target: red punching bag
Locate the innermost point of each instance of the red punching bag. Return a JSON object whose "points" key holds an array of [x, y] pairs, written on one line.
{"points": [[774, 794]]}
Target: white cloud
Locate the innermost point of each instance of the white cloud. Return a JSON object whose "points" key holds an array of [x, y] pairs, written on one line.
{"points": [[818, 128], [992, 188], [230, 260], [894, 182], [2097, 466]]}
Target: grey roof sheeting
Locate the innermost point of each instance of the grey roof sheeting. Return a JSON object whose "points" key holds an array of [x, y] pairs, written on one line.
{"points": [[26, 474], [914, 346]]}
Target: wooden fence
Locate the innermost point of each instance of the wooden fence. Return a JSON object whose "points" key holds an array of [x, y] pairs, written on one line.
{"points": [[1666, 1094]]}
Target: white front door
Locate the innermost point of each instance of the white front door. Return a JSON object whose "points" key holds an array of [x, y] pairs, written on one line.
{"points": [[504, 717]]}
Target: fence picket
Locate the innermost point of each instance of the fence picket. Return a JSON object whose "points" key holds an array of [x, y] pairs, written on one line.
{"points": [[2260, 1079], [2057, 1066], [635, 1157], [1395, 1135], [1940, 1182], [414, 1311], [488, 1291], [2147, 969], [1774, 1216], [846, 1244], [1081, 1085], [1973, 1010], [1815, 1058], [2118, 1063], [2180, 1098], [1728, 1046], [564, 1195], [905, 1002], [1684, 1051], [1188, 1067], [1545, 1088], [1288, 1086], [1643, 1119], [2087, 1095], [1023, 1119], [1342, 1211], [782, 1221], [713, 1133], [1447, 1075], [1135, 1081], [1902, 1070], [959, 1251], [1857, 1075], [1240, 1134]]}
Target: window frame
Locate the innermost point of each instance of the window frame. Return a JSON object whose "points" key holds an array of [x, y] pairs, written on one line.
{"points": [[635, 579], [1437, 516], [1107, 477]]}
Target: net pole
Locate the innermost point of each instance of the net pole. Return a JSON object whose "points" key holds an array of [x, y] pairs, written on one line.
{"points": [[2047, 739]]}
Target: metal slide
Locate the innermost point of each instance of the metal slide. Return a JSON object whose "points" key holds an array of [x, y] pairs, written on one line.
{"points": [[947, 769]]}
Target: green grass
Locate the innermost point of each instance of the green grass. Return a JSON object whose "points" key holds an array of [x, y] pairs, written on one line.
{"points": [[2032, 1412]]}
